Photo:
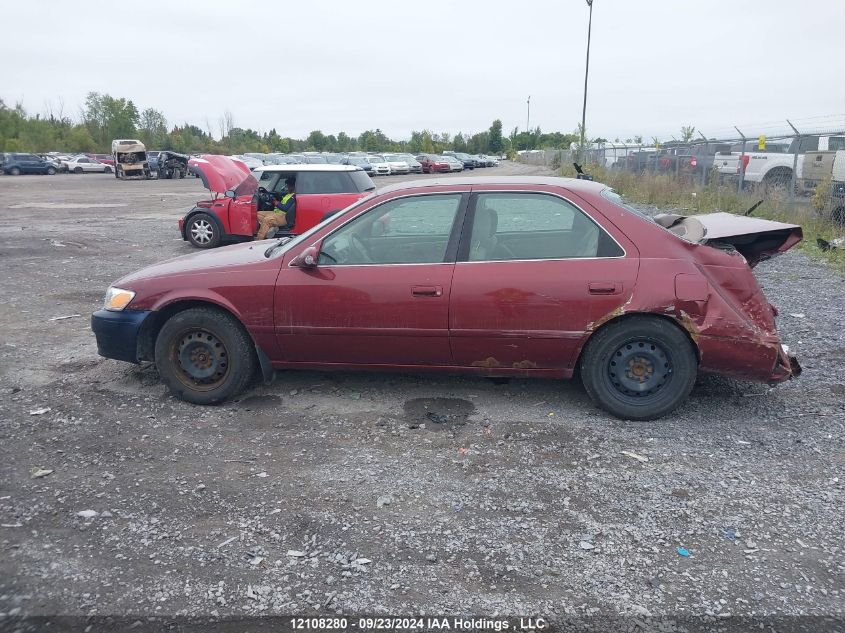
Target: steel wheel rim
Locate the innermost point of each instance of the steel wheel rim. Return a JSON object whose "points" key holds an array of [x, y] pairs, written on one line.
{"points": [[202, 231], [201, 359], [639, 369]]}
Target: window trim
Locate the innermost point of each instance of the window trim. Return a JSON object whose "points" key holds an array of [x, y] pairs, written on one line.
{"points": [[451, 245], [469, 218]]}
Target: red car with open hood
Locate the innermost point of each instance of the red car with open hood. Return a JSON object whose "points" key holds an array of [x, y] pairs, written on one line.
{"points": [[488, 276], [320, 191]]}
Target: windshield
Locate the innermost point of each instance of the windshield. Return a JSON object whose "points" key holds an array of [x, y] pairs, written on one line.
{"points": [[247, 186], [375, 159], [315, 160]]}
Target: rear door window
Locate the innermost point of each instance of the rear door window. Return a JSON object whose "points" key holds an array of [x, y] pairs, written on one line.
{"points": [[530, 226], [325, 182]]}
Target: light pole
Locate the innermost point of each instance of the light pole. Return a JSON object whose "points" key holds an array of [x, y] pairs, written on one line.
{"points": [[586, 74], [528, 117]]}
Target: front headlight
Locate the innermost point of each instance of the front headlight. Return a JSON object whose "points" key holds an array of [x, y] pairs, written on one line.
{"points": [[117, 299]]}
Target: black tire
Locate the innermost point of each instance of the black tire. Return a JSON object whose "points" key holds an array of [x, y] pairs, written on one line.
{"points": [[107, 170], [77, 170], [51, 171], [659, 364], [202, 231], [204, 355], [177, 174], [15, 171]]}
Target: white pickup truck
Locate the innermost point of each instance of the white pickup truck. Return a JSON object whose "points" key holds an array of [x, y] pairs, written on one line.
{"points": [[772, 167]]}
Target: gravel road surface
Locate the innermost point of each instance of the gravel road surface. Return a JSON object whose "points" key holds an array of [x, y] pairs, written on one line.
{"points": [[383, 493]]}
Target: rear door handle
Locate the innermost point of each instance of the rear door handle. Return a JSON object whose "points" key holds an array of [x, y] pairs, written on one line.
{"points": [[604, 288], [427, 291]]}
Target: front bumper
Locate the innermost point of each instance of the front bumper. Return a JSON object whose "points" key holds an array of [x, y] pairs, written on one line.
{"points": [[117, 333]]}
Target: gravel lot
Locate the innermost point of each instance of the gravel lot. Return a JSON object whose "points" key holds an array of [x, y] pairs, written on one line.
{"points": [[402, 494]]}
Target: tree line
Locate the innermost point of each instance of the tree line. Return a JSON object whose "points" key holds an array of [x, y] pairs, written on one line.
{"points": [[103, 118]]}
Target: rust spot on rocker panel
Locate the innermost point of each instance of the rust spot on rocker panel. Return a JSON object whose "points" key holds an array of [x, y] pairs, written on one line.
{"points": [[487, 362]]}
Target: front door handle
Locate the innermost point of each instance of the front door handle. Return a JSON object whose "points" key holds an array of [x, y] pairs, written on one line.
{"points": [[604, 288], [427, 291]]}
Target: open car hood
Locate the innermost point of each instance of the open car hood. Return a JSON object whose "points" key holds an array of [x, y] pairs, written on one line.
{"points": [[756, 239], [219, 173]]}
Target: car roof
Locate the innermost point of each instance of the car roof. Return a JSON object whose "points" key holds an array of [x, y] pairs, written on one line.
{"points": [[309, 167], [475, 182]]}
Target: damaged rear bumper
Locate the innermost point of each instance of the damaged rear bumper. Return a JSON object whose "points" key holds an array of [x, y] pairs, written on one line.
{"points": [[745, 359]]}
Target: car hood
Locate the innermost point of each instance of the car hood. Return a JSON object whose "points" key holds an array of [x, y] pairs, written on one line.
{"points": [[219, 173], [199, 263], [755, 238]]}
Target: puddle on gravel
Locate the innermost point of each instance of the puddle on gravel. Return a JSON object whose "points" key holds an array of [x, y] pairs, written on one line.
{"points": [[438, 413], [258, 403]]}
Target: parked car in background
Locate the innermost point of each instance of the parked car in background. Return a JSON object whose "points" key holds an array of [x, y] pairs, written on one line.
{"points": [[320, 190], [414, 166], [152, 160], [528, 277], [397, 165], [249, 161], [432, 163], [469, 162], [17, 163], [359, 161], [315, 159], [172, 165], [106, 159], [83, 165], [454, 163], [380, 166]]}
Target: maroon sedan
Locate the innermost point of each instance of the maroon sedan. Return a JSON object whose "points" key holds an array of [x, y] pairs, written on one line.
{"points": [[434, 164], [496, 277]]}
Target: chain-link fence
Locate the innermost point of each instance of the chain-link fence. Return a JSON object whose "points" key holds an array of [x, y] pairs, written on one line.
{"points": [[803, 169]]}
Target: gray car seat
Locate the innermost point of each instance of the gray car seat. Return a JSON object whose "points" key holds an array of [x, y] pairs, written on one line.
{"points": [[483, 242]]}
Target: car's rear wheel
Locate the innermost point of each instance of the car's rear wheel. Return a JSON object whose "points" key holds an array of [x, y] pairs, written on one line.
{"points": [[107, 170], [15, 171], [202, 231], [639, 368], [204, 355], [51, 171], [77, 170]]}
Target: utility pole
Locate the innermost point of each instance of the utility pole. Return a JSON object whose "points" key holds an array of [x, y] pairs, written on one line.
{"points": [[528, 117], [586, 75]]}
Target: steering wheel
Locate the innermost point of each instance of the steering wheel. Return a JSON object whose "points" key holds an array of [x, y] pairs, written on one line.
{"points": [[264, 198], [357, 246]]}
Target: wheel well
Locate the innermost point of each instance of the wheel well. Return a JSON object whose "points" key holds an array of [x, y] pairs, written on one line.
{"points": [[635, 315], [778, 172], [153, 324], [208, 212]]}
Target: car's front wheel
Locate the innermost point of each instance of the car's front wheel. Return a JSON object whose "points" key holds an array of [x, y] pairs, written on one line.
{"points": [[107, 170], [15, 171], [204, 355], [639, 368], [51, 171], [77, 170], [202, 231]]}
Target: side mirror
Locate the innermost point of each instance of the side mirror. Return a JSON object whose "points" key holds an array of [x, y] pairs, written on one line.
{"points": [[230, 194], [307, 258]]}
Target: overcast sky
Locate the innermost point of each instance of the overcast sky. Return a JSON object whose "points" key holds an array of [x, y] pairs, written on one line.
{"points": [[444, 65]]}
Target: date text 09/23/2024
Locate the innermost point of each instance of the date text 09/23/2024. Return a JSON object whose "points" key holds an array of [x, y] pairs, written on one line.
{"points": [[420, 624]]}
